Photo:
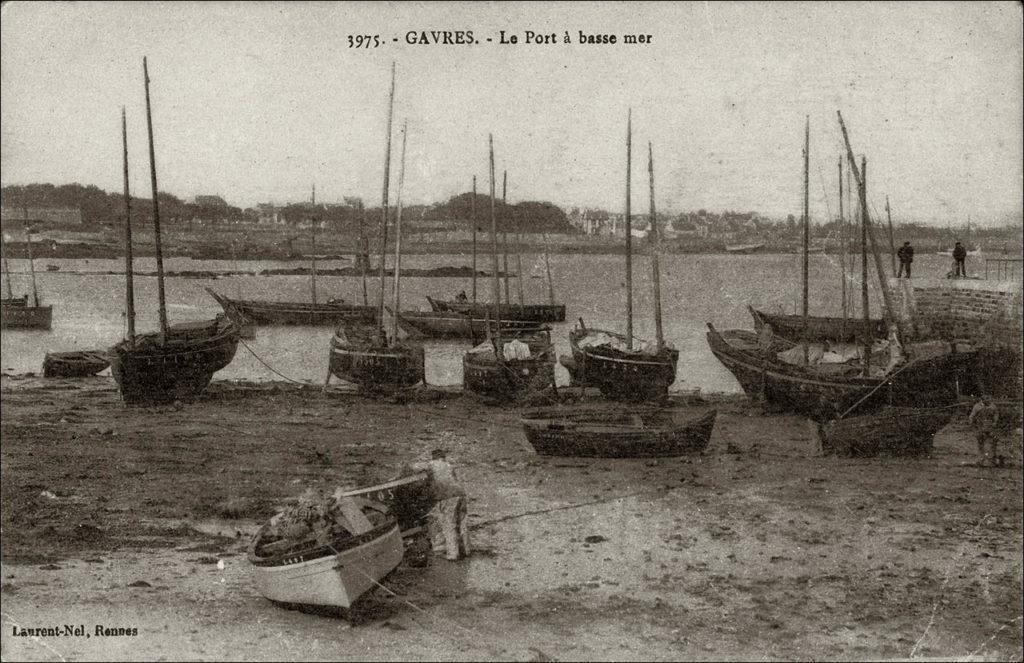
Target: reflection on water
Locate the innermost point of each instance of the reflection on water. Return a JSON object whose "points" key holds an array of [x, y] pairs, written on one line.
{"points": [[88, 309]]}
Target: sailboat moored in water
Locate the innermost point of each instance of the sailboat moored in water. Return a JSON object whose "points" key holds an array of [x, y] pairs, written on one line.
{"points": [[177, 362], [17, 312]]}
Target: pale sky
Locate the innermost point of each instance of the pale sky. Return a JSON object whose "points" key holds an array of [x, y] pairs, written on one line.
{"points": [[255, 101]]}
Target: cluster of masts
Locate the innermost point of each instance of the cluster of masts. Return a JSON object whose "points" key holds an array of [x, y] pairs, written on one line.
{"points": [[182, 358]]}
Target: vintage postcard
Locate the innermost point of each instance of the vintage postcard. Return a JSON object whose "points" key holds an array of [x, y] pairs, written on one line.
{"points": [[511, 331]]}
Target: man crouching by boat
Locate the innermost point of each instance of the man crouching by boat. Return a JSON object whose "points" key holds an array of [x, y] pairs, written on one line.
{"points": [[446, 521]]}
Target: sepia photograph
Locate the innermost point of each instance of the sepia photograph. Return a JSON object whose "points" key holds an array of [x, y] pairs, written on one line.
{"points": [[511, 331]]}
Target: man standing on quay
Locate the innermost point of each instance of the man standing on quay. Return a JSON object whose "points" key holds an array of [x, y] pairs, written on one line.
{"points": [[906, 256], [959, 254]]}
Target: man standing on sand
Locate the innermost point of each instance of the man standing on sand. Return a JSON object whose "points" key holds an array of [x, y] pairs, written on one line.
{"points": [[984, 417], [446, 521], [959, 255], [906, 256]]}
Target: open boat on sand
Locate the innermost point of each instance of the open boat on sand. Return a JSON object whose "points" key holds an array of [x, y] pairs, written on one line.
{"points": [[898, 430], [636, 432], [76, 364], [333, 559]]}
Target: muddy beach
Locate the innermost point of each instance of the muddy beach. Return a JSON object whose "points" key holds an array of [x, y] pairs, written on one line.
{"points": [[136, 521]]}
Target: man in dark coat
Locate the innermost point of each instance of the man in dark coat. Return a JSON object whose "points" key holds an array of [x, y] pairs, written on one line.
{"points": [[906, 256], [959, 255]]}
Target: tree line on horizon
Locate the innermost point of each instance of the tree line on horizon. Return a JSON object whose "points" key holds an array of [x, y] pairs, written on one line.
{"points": [[99, 207]]}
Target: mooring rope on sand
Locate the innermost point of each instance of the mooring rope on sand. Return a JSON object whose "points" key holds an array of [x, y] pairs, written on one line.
{"points": [[268, 366]]}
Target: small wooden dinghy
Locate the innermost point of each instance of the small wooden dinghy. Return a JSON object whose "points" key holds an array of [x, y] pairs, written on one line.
{"points": [[336, 564], [76, 364], [897, 430], [608, 432]]}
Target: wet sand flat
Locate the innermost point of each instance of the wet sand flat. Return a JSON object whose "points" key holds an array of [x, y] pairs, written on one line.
{"points": [[138, 518]]}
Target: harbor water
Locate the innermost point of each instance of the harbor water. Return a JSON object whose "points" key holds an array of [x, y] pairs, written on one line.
{"points": [[88, 305]]}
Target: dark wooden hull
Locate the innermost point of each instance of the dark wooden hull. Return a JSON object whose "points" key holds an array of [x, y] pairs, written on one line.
{"points": [[615, 433], [158, 369], [819, 328], [898, 430], [532, 312], [74, 364], [296, 313], [823, 396], [374, 367], [21, 316], [631, 377], [434, 324], [507, 381]]}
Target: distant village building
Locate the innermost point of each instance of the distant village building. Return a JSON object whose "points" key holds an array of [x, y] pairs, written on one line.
{"points": [[211, 201], [269, 214], [66, 216]]}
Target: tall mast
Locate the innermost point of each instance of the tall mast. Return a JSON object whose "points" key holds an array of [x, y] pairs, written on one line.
{"points": [[655, 248], [472, 219], [864, 266], [156, 209], [312, 256], [129, 263], [629, 235], [807, 223], [851, 229], [398, 240], [862, 187], [842, 242], [496, 288], [517, 240], [547, 268], [504, 231], [892, 236], [7, 267], [364, 249], [32, 268], [384, 203]]}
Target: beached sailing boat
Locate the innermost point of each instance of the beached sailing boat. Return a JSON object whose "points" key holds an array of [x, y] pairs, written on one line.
{"points": [[621, 366], [376, 361], [916, 375], [298, 313], [507, 367], [16, 312], [177, 362]]}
